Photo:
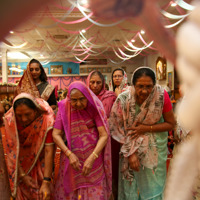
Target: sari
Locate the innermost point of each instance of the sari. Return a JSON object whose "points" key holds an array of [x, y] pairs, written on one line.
{"points": [[150, 148], [124, 84], [106, 97], [82, 135], [25, 147], [42, 90]]}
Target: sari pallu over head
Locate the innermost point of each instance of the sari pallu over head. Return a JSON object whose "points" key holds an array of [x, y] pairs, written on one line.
{"points": [[27, 85], [124, 115], [68, 114], [25, 146], [124, 84], [105, 96]]}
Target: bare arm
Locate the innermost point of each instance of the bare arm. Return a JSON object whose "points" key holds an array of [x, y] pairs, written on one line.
{"points": [[49, 157]]}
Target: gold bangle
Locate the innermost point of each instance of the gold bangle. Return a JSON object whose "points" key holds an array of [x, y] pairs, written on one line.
{"points": [[69, 154], [95, 154], [66, 152]]}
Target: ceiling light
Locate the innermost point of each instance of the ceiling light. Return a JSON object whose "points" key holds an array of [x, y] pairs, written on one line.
{"points": [[173, 4], [142, 32], [11, 32], [41, 55], [17, 55], [83, 31], [82, 41], [132, 40]]}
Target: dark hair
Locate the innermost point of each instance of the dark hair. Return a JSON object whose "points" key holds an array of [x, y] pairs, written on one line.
{"points": [[118, 69], [24, 101], [99, 74], [43, 76], [144, 72]]}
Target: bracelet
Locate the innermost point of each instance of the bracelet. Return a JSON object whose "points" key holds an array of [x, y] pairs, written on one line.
{"points": [[66, 152], [47, 179], [151, 129], [95, 154], [69, 154]]}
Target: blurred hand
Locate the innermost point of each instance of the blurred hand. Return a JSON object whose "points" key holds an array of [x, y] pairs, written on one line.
{"points": [[74, 162], [88, 165], [145, 13], [134, 162], [137, 130], [29, 182], [45, 192], [118, 91]]}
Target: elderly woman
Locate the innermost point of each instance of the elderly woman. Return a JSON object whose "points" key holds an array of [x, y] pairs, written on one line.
{"points": [[119, 81], [28, 147], [139, 121], [96, 83], [81, 132], [34, 82]]}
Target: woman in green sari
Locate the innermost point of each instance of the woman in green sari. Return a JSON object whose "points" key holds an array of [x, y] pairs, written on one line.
{"points": [[139, 121]]}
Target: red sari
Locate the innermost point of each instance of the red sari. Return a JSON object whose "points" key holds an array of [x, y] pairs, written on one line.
{"points": [[25, 147]]}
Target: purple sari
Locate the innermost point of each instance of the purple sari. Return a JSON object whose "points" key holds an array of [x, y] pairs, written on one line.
{"points": [[82, 136]]}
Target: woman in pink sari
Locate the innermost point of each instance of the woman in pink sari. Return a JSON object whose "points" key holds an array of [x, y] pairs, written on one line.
{"points": [[96, 82], [28, 147], [81, 131]]}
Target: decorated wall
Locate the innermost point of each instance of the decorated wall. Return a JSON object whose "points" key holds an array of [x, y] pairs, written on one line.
{"points": [[50, 68], [61, 82]]}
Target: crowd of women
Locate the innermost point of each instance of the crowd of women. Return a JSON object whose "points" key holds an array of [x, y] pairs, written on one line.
{"points": [[113, 143]]}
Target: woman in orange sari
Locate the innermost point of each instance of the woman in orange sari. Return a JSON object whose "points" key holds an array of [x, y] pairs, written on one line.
{"points": [[4, 184], [28, 147]]}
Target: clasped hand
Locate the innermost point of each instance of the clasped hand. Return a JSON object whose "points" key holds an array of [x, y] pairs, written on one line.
{"points": [[87, 166], [137, 130]]}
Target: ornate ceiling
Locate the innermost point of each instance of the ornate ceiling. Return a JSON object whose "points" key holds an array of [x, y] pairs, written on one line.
{"points": [[67, 31]]}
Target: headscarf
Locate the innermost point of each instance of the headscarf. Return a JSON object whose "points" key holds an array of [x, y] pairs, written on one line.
{"points": [[106, 97], [69, 114], [124, 84], [123, 116], [27, 84], [24, 147]]}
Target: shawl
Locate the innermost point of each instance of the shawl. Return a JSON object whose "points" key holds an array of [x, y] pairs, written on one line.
{"points": [[27, 85], [123, 116], [106, 97], [124, 84], [25, 147], [71, 116]]}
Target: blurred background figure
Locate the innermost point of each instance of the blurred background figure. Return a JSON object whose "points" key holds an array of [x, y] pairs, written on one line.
{"points": [[119, 81], [34, 82]]}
